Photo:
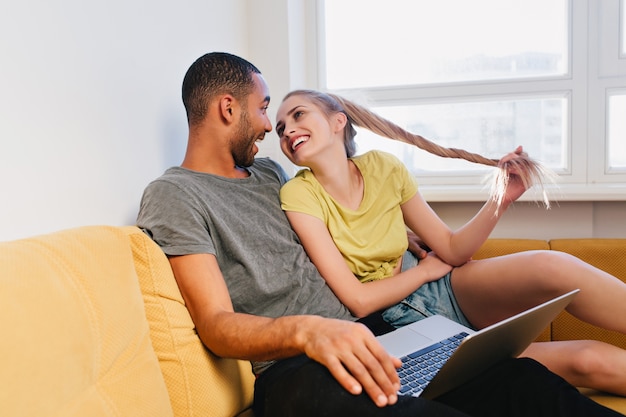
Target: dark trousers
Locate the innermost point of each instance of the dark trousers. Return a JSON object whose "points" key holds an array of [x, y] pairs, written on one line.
{"points": [[301, 387]]}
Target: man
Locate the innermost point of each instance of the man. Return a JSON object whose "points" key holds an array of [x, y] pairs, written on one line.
{"points": [[253, 294]]}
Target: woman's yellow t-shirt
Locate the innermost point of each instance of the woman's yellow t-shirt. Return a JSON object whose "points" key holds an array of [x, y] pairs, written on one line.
{"points": [[372, 238]]}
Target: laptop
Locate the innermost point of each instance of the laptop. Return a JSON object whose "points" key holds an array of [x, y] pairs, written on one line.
{"points": [[439, 354]]}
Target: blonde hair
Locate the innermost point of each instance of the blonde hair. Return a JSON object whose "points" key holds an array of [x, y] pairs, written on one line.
{"points": [[530, 172]]}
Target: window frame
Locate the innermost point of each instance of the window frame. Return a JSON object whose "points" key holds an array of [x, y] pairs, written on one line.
{"points": [[622, 49], [591, 74]]}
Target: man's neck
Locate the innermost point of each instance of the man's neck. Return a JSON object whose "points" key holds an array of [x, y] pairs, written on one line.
{"points": [[214, 167], [205, 153]]}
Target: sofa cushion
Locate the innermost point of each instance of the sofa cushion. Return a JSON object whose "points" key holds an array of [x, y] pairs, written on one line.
{"points": [[498, 247], [608, 400], [75, 340], [200, 384]]}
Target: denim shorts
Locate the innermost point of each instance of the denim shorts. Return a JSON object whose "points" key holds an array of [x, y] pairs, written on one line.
{"points": [[435, 297]]}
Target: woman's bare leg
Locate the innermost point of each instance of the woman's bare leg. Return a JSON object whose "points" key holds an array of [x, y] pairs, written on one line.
{"points": [[584, 363], [493, 289], [489, 290]]}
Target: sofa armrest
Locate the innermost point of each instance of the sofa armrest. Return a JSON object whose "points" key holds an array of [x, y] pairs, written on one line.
{"points": [[199, 383]]}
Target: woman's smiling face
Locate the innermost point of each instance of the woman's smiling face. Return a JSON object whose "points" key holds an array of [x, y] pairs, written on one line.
{"points": [[303, 128]]}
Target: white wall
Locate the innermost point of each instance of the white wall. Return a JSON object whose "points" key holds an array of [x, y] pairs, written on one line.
{"points": [[90, 107]]}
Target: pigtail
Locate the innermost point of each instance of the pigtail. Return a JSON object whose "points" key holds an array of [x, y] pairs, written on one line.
{"points": [[531, 172]]}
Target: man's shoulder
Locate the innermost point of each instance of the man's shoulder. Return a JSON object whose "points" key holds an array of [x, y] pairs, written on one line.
{"points": [[173, 174], [266, 165], [183, 178], [173, 181]]}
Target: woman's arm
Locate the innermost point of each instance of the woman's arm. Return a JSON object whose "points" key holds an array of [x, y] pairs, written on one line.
{"points": [[454, 247], [459, 246], [361, 299]]}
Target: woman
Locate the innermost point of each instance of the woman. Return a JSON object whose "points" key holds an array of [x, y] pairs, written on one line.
{"points": [[350, 213]]}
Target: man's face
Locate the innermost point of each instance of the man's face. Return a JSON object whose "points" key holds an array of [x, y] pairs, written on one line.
{"points": [[253, 124]]}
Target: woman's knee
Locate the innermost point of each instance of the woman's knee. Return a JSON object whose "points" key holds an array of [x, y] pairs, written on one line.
{"points": [[590, 359]]}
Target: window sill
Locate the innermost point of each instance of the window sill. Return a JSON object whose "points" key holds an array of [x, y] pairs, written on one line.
{"points": [[563, 192]]}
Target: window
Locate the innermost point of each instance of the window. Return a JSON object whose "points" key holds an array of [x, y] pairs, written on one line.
{"points": [[491, 127], [422, 42], [527, 73]]}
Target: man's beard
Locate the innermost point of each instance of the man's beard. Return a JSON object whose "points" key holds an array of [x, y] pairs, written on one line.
{"points": [[242, 143]]}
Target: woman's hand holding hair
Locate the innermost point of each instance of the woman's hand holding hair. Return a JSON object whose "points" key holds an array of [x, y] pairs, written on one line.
{"points": [[517, 172], [515, 184]]}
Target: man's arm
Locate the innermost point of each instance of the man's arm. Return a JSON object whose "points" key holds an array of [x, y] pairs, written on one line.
{"points": [[348, 350], [417, 245]]}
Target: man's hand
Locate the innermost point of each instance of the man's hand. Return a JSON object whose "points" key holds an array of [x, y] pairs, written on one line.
{"points": [[354, 357], [416, 245]]}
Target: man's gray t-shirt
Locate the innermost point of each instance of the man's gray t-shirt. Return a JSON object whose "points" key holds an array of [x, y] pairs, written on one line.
{"points": [[239, 221]]}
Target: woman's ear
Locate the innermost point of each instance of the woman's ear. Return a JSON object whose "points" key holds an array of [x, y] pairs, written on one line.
{"points": [[339, 121]]}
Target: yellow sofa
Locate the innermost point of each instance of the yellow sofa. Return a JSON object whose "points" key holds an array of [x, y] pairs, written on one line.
{"points": [[93, 325]]}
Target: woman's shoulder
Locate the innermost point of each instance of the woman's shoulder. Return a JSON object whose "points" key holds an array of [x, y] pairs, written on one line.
{"points": [[304, 175], [379, 158], [303, 179]]}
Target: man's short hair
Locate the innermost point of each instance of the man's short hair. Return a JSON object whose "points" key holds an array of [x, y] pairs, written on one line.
{"points": [[214, 74]]}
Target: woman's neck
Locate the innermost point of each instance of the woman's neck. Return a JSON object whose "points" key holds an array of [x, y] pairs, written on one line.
{"points": [[342, 180]]}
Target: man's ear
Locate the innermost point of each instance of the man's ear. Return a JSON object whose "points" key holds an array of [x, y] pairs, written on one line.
{"points": [[226, 107]]}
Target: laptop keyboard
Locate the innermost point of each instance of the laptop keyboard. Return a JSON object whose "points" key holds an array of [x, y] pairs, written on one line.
{"points": [[419, 367]]}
